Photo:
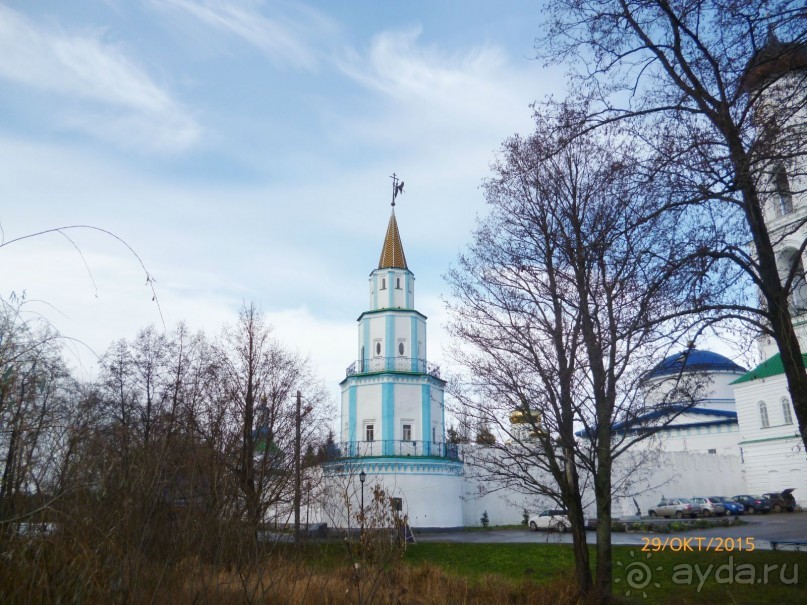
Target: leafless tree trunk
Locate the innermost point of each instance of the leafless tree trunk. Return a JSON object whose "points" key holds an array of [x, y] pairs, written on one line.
{"points": [[567, 296]]}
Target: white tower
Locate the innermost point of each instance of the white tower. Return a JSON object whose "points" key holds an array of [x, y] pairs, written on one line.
{"points": [[393, 412], [776, 80], [771, 449]]}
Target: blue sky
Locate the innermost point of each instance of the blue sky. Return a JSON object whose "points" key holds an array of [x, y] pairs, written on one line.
{"points": [[243, 148]]}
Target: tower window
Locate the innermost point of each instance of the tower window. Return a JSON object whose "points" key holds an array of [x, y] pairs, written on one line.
{"points": [[763, 415], [383, 283], [400, 349], [369, 432], [784, 198], [378, 348], [787, 415], [397, 283], [406, 432]]}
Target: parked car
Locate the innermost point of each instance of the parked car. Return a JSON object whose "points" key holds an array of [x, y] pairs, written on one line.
{"points": [[710, 506], [316, 530], [753, 504], [36, 529], [675, 507], [782, 500], [550, 519], [732, 507]]}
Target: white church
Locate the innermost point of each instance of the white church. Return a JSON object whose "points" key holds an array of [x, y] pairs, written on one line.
{"points": [[740, 437]]}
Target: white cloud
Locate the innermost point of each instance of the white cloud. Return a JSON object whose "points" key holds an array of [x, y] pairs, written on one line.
{"points": [[118, 99], [428, 92], [401, 68], [287, 39]]}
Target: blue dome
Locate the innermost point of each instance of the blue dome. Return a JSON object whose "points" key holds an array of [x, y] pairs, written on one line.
{"points": [[695, 360]]}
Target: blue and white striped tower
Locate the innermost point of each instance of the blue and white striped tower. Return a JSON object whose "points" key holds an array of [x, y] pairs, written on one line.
{"points": [[393, 412]]}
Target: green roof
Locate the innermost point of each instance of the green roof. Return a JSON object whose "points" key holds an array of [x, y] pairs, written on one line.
{"points": [[770, 367]]}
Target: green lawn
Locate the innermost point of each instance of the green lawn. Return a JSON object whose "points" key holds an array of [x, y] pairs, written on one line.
{"points": [[539, 562], [664, 578]]}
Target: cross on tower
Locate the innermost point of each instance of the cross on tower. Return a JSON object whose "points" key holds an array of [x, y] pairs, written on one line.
{"points": [[396, 187]]}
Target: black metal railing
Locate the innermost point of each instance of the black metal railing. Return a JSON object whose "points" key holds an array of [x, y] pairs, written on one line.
{"points": [[395, 448], [393, 364]]}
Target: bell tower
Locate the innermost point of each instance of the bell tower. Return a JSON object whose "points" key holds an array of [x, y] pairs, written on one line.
{"points": [[776, 81], [393, 404]]}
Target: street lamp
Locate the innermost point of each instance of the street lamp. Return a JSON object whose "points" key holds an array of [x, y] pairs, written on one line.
{"points": [[362, 479]]}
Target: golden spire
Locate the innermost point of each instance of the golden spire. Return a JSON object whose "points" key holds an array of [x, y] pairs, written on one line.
{"points": [[392, 254]]}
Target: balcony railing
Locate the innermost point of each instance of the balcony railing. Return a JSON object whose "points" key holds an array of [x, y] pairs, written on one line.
{"points": [[393, 364], [395, 448]]}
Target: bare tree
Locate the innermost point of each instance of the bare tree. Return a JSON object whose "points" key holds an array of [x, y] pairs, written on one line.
{"points": [[36, 395], [724, 84], [563, 301], [258, 381]]}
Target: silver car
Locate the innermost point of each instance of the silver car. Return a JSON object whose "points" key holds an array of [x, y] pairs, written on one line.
{"points": [[710, 506], [675, 507]]}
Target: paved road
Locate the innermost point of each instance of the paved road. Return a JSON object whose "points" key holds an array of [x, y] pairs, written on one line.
{"points": [[763, 528]]}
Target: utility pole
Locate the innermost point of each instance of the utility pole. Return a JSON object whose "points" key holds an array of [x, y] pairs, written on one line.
{"points": [[297, 478]]}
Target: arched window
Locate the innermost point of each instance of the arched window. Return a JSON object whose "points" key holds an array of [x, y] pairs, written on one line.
{"points": [[790, 263], [781, 186], [786, 413], [397, 283], [383, 283], [763, 415]]}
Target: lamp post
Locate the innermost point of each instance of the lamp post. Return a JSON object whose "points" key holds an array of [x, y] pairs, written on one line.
{"points": [[362, 479]]}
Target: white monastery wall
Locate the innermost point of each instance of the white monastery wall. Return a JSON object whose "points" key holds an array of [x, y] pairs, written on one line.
{"points": [[665, 474], [674, 474]]}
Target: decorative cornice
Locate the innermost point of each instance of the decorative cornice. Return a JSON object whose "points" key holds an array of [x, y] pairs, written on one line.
{"points": [[392, 376], [392, 311], [781, 438], [393, 466]]}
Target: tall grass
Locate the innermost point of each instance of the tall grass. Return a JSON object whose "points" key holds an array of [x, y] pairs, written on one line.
{"points": [[58, 569]]}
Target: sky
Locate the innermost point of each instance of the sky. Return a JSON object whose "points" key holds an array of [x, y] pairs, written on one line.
{"points": [[243, 149]]}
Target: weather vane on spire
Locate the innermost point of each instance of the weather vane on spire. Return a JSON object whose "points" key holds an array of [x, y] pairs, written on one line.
{"points": [[396, 187]]}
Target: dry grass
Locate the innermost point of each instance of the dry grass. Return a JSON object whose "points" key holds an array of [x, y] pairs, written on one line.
{"points": [[54, 571], [422, 585]]}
